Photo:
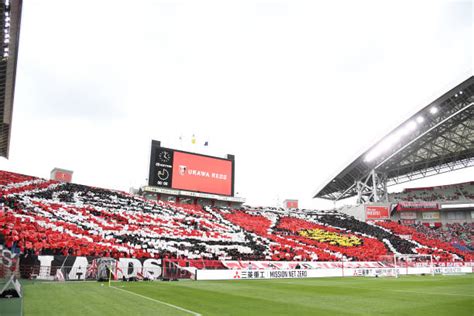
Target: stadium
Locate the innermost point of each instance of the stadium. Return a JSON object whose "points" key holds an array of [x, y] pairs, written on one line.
{"points": [[185, 242]]}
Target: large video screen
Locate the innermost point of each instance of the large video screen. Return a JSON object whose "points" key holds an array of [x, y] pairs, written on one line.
{"points": [[192, 172]]}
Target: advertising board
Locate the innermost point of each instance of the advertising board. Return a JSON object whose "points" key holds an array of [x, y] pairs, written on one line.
{"points": [[430, 215], [421, 206], [377, 212], [179, 170], [407, 215], [319, 273]]}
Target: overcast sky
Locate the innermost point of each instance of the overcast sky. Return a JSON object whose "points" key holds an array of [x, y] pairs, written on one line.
{"points": [[295, 90]]}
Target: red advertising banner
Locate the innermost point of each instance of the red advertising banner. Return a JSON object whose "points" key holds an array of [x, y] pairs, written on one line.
{"points": [[377, 212], [201, 174]]}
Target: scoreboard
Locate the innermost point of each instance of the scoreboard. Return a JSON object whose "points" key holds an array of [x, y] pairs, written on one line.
{"points": [[180, 170]]}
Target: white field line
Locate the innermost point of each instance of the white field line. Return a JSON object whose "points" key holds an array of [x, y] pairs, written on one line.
{"points": [[382, 289], [157, 301]]}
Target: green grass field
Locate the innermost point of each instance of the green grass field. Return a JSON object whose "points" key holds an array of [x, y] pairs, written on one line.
{"points": [[414, 295]]}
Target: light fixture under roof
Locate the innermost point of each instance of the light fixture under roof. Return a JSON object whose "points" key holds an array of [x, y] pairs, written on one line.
{"points": [[392, 140], [409, 127], [374, 153], [434, 110]]}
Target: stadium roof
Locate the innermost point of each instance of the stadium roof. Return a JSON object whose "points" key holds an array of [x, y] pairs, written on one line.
{"points": [[439, 138], [10, 16]]}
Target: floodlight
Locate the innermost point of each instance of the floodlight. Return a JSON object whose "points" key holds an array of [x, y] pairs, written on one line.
{"points": [[408, 128], [385, 144], [371, 155], [420, 119], [411, 126], [390, 141], [434, 110], [399, 134]]}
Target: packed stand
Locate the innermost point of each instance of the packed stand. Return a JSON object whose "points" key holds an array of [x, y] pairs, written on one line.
{"points": [[458, 235], [428, 244], [454, 192], [40, 216]]}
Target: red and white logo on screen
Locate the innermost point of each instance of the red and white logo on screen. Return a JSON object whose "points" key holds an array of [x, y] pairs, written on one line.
{"points": [[182, 170], [202, 174]]}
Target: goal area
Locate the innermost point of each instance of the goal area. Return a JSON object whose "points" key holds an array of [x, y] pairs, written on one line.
{"points": [[405, 264]]}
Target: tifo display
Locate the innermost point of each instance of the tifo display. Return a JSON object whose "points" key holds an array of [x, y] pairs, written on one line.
{"points": [[50, 225]]}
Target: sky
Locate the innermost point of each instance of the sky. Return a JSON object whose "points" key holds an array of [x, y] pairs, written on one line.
{"points": [[295, 90]]}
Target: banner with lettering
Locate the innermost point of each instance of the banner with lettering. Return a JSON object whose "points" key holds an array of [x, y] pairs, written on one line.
{"points": [[431, 215], [420, 206], [377, 212], [407, 215], [87, 268]]}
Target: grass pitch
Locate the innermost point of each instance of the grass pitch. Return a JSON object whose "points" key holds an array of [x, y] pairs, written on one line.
{"points": [[412, 295]]}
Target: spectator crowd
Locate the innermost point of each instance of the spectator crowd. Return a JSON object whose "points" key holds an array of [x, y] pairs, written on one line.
{"points": [[41, 216]]}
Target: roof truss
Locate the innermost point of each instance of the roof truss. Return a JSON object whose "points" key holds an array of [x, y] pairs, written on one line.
{"points": [[444, 143]]}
